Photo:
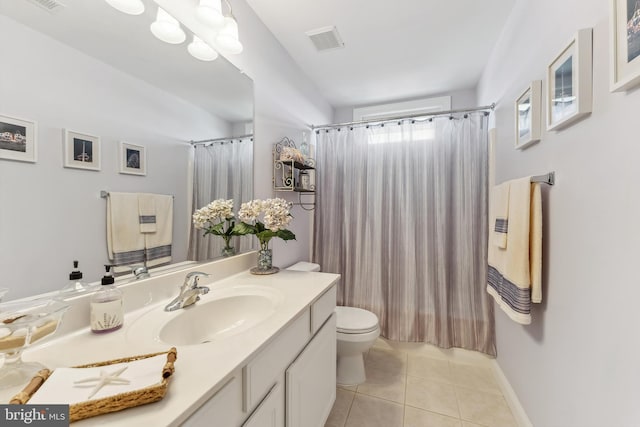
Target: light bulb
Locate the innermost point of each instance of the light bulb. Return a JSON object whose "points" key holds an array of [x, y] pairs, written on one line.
{"points": [[210, 13], [200, 50], [227, 38], [167, 28], [130, 7]]}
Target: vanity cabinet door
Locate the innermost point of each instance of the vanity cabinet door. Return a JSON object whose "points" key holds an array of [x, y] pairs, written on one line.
{"points": [[223, 409], [311, 380], [270, 413]]}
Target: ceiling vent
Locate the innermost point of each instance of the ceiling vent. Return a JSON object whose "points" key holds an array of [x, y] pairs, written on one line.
{"points": [[326, 38], [51, 6]]}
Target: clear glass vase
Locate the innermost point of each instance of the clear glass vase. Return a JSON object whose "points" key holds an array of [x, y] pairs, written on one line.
{"points": [[265, 263], [228, 251]]}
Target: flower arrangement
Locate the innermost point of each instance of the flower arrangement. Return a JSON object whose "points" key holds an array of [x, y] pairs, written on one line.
{"points": [[275, 217], [217, 218]]}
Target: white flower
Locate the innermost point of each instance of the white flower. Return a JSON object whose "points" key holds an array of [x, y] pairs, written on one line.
{"points": [[215, 212], [275, 213], [250, 211]]}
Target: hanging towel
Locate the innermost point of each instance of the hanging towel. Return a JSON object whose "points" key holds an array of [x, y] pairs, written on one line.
{"points": [[514, 278], [158, 244], [147, 212], [501, 206], [125, 243]]}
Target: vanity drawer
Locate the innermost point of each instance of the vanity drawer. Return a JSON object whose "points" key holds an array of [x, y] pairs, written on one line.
{"points": [[322, 308], [261, 373], [224, 408]]}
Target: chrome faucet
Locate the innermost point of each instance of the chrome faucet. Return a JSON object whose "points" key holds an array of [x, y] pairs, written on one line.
{"points": [[140, 271], [189, 292]]}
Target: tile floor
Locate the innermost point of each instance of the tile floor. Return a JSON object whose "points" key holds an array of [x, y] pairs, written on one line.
{"points": [[419, 385]]}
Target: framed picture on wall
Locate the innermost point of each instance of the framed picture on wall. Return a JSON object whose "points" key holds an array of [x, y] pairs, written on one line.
{"points": [[625, 44], [81, 151], [569, 82], [133, 159], [17, 139], [528, 117]]}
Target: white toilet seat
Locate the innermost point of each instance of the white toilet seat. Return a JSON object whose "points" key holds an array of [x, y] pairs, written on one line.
{"points": [[352, 320]]}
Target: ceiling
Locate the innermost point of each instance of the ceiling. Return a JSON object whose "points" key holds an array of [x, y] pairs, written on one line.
{"points": [[393, 49], [125, 42]]}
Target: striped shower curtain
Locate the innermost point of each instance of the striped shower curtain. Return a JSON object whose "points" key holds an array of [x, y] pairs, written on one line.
{"points": [[220, 171], [401, 214]]}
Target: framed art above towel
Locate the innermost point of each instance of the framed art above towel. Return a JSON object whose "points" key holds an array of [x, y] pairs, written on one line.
{"points": [[133, 159], [625, 45], [528, 117], [569, 82], [81, 151]]}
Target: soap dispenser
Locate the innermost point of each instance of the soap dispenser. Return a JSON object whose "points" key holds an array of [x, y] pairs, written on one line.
{"points": [[75, 279], [107, 312]]}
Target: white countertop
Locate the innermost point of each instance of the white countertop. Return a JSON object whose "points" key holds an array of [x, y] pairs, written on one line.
{"points": [[200, 369]]}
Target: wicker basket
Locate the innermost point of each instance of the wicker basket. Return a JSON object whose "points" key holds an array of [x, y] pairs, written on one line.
{"points": [[114, 403]]}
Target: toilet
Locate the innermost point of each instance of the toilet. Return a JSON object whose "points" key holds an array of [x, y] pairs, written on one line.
{"points": [[357, 330]]}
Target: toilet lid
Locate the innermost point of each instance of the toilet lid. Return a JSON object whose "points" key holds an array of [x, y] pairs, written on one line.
{"points": [[351, 320]]}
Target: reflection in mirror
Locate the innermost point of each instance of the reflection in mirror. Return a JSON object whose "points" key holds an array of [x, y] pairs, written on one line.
{"points": [[93, 70], [222, 170]]}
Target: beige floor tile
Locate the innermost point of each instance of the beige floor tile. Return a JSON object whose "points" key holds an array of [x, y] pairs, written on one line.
{"points": [[432, 396], [383, 384], [392, 361], [475, 376], [426, 367], [484, 408], [341, 407], [367, 411], [468, 424], [414, 417]]}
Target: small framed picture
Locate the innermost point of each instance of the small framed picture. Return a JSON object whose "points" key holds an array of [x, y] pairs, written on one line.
{"points": [[528, 117], [81, 151], [625, 44], [569, 82], [133, 159], [17, 139]]}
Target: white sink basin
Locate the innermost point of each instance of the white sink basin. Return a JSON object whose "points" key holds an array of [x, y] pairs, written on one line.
{"points": [[219, 314]]}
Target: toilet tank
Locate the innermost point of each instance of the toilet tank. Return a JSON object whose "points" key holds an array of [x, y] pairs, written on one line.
{"points": [[304, 266]]}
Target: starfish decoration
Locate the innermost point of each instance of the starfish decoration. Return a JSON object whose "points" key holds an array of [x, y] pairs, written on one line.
{"points": [[104, 379]]}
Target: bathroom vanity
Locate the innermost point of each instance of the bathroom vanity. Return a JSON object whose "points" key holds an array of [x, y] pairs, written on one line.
{"points": [[274, 366]]}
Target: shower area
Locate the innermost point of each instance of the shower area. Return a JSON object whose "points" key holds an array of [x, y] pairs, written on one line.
{"points": [[402, 214]]}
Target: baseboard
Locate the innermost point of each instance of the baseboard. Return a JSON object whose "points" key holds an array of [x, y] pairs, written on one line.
{"points": [[510, 395]]}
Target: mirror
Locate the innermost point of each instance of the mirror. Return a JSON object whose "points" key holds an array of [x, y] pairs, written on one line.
{"points": [[85, 68]]}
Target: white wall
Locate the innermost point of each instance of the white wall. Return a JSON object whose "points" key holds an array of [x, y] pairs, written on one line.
{"points": [[50, 215], [464, 98], [286, 103], [577, 364]]}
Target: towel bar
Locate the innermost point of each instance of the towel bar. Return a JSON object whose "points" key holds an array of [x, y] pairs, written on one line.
{"points": [[548, 178], [104, 194]]}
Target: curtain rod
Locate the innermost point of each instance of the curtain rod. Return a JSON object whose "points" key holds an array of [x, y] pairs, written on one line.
{"points": [[205, 141], [412, 116]]}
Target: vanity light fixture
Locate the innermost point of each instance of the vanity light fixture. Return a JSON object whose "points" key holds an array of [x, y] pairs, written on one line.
{"points": [[167, 28], [201, 50], [227, 39], [130, 7], [210, 13]]}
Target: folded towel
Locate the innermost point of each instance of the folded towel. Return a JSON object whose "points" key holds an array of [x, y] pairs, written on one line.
{"points": [[158, 244], [125, 243], [147, 212], [514, 279], [500, 202]]}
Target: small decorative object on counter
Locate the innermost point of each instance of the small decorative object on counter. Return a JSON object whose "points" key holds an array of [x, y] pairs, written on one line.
{"points": [[275, 217], [23, 324], [217, 218], [72, 385], [107, 313], [76, 285]]}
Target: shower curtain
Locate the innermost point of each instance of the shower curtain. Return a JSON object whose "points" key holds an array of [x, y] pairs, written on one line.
{"points": [[401, 214], [220, 171]]}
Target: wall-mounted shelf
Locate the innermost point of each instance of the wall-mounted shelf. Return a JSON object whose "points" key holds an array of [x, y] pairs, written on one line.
{"points": [[297, 175]]}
